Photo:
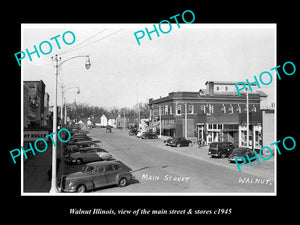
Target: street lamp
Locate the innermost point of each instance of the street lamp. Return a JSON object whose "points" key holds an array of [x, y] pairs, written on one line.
{"points": [[88, 63], [63, 91], [57, 65]]}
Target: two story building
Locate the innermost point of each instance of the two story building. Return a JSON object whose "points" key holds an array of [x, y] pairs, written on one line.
{"points": [[216, 113]]}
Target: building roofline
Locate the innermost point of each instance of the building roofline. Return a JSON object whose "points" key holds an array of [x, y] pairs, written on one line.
{"points": [[226, 82]]}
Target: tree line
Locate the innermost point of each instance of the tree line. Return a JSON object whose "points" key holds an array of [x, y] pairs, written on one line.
{"points": [[82, 111]]}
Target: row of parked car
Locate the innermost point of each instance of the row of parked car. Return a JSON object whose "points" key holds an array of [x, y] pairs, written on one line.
{"points": [[227, 149], [216, 149], [142, 134], [99, 168]]}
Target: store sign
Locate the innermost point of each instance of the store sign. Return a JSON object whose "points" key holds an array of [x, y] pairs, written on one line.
{"points": [[32, 135], [38, 137]]}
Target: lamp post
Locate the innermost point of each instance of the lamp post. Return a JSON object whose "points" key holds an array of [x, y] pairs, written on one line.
{"points": [[57, 64], [247, 102], [185, 120], [124, 121], [63, 91], [159, 111]]}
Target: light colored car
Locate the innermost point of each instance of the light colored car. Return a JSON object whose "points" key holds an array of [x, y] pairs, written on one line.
{"points": [[95, 175], [89, 154], [139, 133]]}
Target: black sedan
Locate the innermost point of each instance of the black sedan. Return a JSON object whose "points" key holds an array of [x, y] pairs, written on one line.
{"points": [[149, 135], [133, 132], [178, 142], [240, 152]]}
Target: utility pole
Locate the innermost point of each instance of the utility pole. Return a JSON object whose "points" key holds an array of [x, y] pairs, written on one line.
{"points": [[62, 104], [247, 102], [159, 110], [137, 100], [57, 65], [124, 120], [54, 148], [185, 120], [65, 115]]}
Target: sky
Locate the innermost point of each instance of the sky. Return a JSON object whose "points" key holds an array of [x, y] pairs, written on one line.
{"points": [[123, 73]]}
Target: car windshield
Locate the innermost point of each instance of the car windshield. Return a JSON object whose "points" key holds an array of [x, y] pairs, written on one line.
{"points": [[86, 169], [213, 145]]}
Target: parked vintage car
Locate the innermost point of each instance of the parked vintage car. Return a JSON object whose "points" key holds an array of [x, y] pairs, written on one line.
{"points": [[96, 175], [178, 142], [108, 130], [240, 152], [133, 132], [167, 140], [81, 144], [139, 133], [74, 140], [88, 155], [220, 149], [149, 135]]}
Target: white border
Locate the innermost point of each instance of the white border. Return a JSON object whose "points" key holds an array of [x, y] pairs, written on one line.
{"points": [[194, 25]]}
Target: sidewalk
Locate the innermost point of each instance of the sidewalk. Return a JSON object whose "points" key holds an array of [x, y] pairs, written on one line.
{"points": [[264, 169], [35, 171]]}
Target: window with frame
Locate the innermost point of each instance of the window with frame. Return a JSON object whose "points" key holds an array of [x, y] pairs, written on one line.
{"points": [[166, 109], [203, 109], [230, 109], [117, 167], [223, 108], [100, 169], [210, 109], [191, 109], [238, 109], [171, 109], [109, 168], [178, 109]]}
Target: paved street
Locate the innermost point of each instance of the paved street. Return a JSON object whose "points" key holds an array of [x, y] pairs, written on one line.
{"points": [[159, 168]]}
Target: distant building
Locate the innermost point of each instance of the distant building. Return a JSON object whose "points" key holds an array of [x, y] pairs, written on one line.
{"points": [[112, 122], [216, 113], [103, 120]]}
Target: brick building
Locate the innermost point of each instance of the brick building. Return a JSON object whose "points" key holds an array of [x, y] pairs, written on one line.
{"points": [[34, 104], [216, 113]]}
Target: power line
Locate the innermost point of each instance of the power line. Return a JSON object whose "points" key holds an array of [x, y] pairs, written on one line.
{"points": [[71, 50]]}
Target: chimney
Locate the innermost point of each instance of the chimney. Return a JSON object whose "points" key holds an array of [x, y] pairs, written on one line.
{"points": [[210, 86]]}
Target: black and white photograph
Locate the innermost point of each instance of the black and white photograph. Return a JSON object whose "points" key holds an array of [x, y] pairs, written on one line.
{"points": [[142, 112], [172, 108]]}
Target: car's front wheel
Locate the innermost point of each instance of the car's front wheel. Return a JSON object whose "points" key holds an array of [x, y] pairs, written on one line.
{"points": [[81, 188], [223, 155], [123, 182]]}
